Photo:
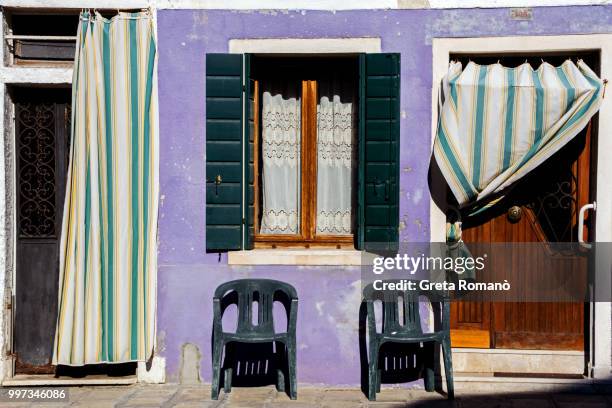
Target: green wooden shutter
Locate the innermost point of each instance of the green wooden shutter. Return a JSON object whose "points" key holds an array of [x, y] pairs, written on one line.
{"points": [[378, 199], [224, 152]]}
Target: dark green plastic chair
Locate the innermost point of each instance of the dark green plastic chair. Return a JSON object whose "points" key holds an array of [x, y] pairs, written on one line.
{"points": [[243, 293], [408, 331]]}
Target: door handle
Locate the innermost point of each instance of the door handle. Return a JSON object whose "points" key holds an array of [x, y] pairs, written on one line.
{"points": [[583, 210]]}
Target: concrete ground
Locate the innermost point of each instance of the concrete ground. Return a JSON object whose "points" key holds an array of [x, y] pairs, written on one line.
{"points": [[169, 395]]}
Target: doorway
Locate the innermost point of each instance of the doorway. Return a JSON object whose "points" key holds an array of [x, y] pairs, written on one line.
{"points": [[42, 150], [549, 200], [42, 137]]}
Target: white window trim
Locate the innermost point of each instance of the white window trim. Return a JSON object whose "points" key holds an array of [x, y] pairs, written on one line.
{"points": [[297, 256], [305, 45], [601, 324]]}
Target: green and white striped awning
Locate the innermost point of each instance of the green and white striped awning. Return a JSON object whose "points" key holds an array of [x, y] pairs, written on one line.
{"points": [[497, 124]]}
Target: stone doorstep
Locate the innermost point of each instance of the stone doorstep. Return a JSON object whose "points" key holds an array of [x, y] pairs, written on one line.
{"points": [[517, 361], [50, 381]]}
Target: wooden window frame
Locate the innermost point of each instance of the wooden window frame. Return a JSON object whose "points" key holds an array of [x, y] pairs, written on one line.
{"points": [[307, 236]]}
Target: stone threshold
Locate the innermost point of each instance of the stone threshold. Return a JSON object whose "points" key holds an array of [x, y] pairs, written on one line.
{"points": [[498, 384], [530, 362], [23, 380]]}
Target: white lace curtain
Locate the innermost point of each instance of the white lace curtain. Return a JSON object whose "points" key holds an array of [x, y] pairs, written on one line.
{"points": [[281, 168], [334, 164], [281, 173]]}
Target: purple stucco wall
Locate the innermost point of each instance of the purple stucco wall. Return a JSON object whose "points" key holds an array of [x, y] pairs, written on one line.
{"points": [[329, 297]]}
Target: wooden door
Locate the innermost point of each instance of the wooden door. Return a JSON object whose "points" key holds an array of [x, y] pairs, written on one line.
{"points": [[42, 129], [550, 199]]}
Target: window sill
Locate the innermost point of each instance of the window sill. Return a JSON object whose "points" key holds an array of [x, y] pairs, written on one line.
{"points": [[315, 257]]}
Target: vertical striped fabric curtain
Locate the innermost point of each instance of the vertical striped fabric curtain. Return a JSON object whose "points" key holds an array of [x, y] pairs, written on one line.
{"points": [[497, 124], [108, 258]]}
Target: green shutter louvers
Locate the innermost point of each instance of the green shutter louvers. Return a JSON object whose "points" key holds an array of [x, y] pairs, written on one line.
{"points": [[379, 151], [224, 152]]}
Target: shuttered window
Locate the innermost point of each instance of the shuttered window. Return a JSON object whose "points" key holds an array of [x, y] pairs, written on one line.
{"points": [[230, 136]]}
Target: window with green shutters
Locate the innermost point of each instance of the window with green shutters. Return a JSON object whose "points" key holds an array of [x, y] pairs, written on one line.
{"points": [[233, 152]]}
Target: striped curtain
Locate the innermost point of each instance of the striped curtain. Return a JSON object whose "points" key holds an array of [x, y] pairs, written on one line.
{"points": [[108, 259], [497, 124]]}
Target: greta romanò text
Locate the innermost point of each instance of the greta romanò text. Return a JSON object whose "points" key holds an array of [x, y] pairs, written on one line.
{"points": [[406, 284]]}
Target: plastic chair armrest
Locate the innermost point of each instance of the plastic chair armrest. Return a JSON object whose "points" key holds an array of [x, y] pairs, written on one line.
{"points": [[292, 324], [217, 315]]}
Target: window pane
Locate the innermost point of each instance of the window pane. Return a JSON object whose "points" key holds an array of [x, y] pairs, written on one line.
{"points": [[281, 167], [336, 133]]}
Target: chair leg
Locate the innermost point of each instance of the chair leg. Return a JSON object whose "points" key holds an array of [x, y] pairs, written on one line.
{"points": [[448, 367], [227, 381], [280, 380], [373, 371], [429, 358], [216, 366], [378, 379], [291, 360], [279, 360]]}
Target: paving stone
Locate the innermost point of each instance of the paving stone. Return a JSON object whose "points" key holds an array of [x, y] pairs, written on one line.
{"points": [[394, 395], [192, 394], [195, 404], [578, 398], [158, 390], [341, 404], [78, 393], [378, 404], [144, 400], [483, 403], [311, 396], [246, 397], [292, 404], [438, 403], [344, 395], [104, 393], [93, 404], [424, 395], [531, 403], [247, 404]]}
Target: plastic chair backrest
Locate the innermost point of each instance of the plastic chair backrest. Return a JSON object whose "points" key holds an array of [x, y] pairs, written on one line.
{"points": [[244, 292], [400, 309]]}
